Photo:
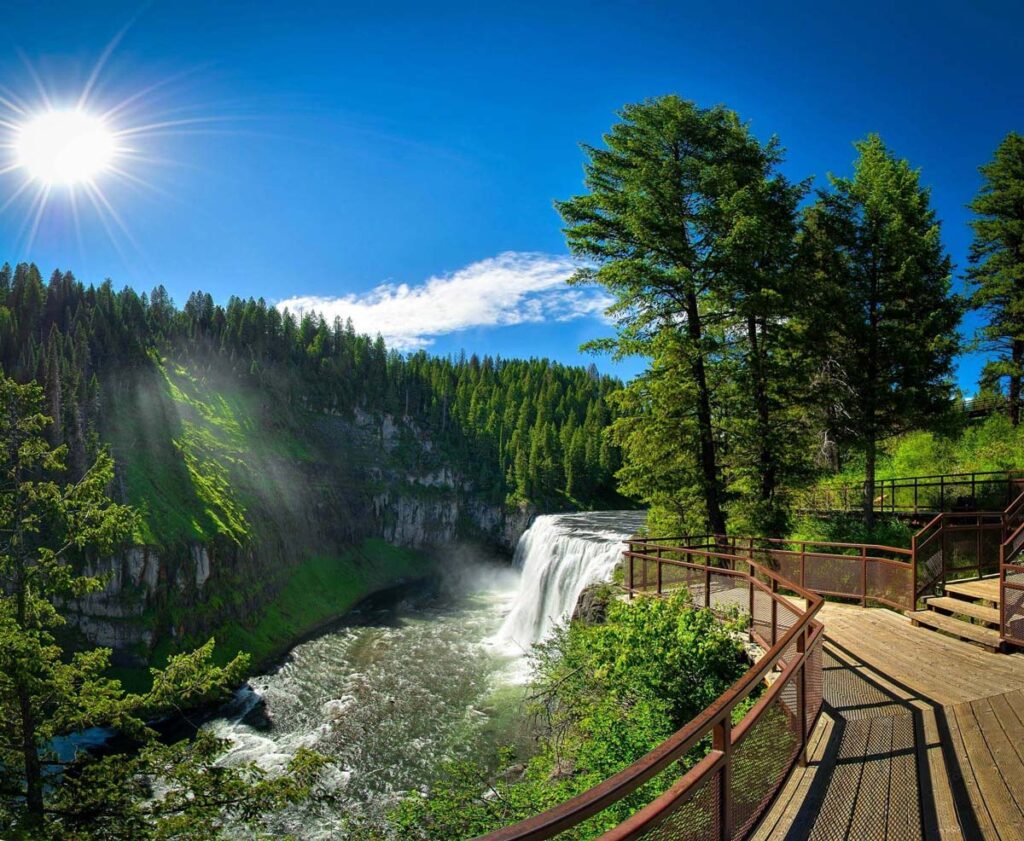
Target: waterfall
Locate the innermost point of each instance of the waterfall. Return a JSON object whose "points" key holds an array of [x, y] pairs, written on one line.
{"points": [[559, 555]]}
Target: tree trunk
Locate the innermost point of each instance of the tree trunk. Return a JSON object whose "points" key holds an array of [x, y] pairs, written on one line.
{"points": [[765, 451], [869, 398], [29, 749], [708, 461], [869, 483]]}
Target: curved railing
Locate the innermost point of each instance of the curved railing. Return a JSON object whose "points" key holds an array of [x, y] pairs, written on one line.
{"points": [[725, 793]]}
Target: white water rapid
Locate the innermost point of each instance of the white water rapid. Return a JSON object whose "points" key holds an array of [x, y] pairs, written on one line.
{"points": [[559, 555]]}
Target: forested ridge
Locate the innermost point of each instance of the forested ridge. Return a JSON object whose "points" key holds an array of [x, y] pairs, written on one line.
{"points": [[522, 430]]}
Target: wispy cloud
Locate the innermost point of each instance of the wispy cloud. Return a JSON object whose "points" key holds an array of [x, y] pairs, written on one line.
{"points": [[512, 288]]}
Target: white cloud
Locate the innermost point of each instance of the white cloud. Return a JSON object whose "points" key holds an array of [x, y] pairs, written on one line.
{"points": [[512, 288]]}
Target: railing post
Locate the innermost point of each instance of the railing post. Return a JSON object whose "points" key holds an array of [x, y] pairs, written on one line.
{"points": [[750, 583], [864, 575], [1002, 590], [913, 572], [659, 570], [722, 741], [915, 494], [977, 542], [942, 493], [775, 609], [801, 694], [803, 563], [707, 582], [630, 565]]}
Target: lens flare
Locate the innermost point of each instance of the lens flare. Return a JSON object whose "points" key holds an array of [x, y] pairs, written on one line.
{"points": [[65, 147]]}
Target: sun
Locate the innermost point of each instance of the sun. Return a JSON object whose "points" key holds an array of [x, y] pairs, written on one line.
{"points": [[68, 156], [65, 148]]}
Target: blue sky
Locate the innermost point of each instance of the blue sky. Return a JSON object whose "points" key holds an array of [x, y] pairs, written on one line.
{"points": [[335, 150]]}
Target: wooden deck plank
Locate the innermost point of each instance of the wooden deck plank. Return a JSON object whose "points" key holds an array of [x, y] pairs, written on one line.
{"points": [[961, 607], [843, 786], [904, 797], [987, 638], [868, 816], [783, 815], [1007, 709], [984, 588], [895, 648], [941, 820], [997, 798], [964, 773], [1006, 759], [894, 657]]}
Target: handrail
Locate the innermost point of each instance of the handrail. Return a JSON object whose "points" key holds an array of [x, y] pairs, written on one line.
{"points": [[983, 405], [716, 719], [734, 538], [819, 567]]}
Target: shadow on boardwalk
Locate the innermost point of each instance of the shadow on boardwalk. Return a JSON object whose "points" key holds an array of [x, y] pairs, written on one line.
{"points": [[888, 761]]}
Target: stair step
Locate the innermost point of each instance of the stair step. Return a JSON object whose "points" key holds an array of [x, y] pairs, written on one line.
{"points": [[981, 612], [985, 589], [985, 637]]}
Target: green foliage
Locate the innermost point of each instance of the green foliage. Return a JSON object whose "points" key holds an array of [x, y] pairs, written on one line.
{"points": [[603, 696], [885, 532], [996, 273], [49, 527], [184, 396]]}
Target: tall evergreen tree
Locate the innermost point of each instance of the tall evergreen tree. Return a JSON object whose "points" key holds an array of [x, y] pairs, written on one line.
{"points": [[997, 264], [883, 312], [682, 223]]}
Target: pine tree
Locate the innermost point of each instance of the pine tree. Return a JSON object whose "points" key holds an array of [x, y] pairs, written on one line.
{"points": [[882, 308], [997, 264], [684, 218]]}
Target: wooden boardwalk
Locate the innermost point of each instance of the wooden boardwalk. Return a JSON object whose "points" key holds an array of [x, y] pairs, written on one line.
{"points": [[922, 736]]}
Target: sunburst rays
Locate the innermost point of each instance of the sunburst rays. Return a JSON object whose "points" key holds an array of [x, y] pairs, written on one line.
{"points": [[134, 121]]}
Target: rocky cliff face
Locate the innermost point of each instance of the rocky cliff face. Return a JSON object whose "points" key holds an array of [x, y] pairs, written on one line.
{"points": [[151, 592]]}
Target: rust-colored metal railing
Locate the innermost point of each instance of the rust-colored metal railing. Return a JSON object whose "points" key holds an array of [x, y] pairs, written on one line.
{"points": [[954, 545], [921, 494], [722, 796], [1011, 575], [866, 572]]}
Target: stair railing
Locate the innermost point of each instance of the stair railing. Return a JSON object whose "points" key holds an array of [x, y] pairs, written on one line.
{"points": [[1011, 575]]}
